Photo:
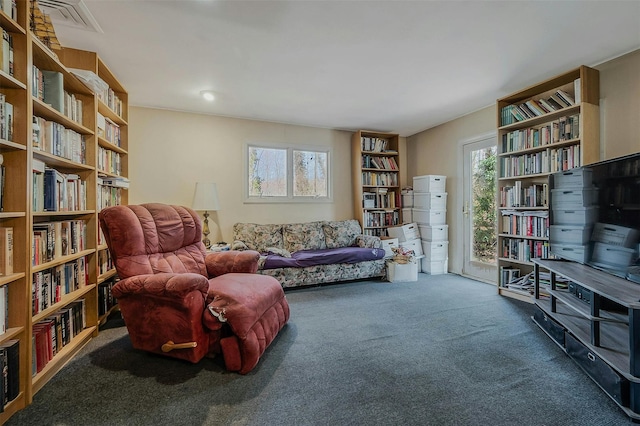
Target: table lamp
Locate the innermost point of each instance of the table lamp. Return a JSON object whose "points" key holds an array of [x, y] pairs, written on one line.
{"points": [[205, 198]]}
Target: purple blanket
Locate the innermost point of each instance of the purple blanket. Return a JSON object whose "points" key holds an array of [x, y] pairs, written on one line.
{"points": [[303, 258]]}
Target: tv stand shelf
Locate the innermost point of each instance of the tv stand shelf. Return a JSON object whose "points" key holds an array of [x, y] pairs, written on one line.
{"points": [[600, 332]]}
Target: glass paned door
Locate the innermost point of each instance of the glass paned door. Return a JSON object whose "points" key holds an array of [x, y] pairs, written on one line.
{"points": [[479, 209]]}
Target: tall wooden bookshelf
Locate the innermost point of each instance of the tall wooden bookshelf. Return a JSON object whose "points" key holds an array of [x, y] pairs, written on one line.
{"points": [[376, 180], [542, 129], [28, 154], [112, 160]]}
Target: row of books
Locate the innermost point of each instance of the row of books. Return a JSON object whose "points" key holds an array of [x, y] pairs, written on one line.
{"points": [[6, 250], [52, 240], [6, 118], [523, 250], [372, 144], [6, 52], [106, 301], [532, 108], [53, 333], [109, 161], [379, 179], [111, 99], [383, 163], [377, 232], [109, 196], [547, 161], [10, 377], [535, 195], [562, 129], [376, 219], [105, 262], [526, 224], [56, 191], [10, 8], [49, 286], [48, 86], [380, 200], [108, 130], [54, 138]]}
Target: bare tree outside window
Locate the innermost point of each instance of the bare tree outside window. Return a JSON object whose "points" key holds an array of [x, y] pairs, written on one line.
{"points": [[267, 172], [310, 174]]}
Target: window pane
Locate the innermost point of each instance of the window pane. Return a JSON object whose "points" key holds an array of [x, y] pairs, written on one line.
{"points": [[310, 174], [267, 172]]}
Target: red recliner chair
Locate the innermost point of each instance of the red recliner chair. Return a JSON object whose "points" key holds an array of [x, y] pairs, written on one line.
{"points": [[180, 301]]}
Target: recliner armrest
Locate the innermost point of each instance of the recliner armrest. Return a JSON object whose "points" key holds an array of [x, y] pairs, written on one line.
{"points": [[224, 262], [170, 285]]}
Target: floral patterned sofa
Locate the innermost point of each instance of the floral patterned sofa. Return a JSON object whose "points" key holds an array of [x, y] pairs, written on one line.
{"points": [[302, 254]]}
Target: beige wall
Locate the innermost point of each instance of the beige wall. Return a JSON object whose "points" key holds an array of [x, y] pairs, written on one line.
{"points": [[170, 151], [437, 150]]}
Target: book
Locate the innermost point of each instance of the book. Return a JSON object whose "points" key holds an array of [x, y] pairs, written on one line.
{"points": [[566, 97], [577, 90], [5, 51], [11, 353], [54, 89], [6, 250]]}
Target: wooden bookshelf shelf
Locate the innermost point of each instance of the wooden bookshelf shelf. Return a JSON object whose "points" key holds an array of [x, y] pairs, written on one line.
{"points": [[23, 89]]}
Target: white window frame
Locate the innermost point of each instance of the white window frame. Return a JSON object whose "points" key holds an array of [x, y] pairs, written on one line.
{"points": [[289, 198]]}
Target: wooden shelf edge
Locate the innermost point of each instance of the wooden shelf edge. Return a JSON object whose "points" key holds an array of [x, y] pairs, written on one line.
{"points": [[62, 260], [66, 299]]}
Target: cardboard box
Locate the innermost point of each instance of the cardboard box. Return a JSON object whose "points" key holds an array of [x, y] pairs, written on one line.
{"points": [[402, 272]]}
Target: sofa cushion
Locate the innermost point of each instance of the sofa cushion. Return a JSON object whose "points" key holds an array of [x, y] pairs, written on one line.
{"points": [[342, 233], [259, 237], [303, 236]]}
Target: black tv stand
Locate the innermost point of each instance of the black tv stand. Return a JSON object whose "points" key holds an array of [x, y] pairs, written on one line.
{"points": [[599, 328]]}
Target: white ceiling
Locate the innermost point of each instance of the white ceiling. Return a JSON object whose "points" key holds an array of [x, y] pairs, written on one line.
{"points": [[398, 66]]}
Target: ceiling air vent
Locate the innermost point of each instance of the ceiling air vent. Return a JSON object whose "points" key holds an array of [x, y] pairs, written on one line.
{"points": [[73, 13]]}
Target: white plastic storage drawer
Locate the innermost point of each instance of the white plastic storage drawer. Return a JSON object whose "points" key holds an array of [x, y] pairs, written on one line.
{"points": [[579, 216], [430, 200], [429, 183], [405, 232], [577, 253], [573, 198], [434, 233], [615, 235], [407, 216], [570, 234], [414, 245], [608, 256], [434, 267], [576, 178], [430, 217], [435, 250], [388, 244]]}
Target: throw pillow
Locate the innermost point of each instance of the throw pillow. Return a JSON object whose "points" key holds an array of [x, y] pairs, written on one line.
{"points": [[368, 241], [258, 237], [303, 236], [341, 233]]}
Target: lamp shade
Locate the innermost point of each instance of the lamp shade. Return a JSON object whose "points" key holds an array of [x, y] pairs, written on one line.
{"points": [[205, 197]]}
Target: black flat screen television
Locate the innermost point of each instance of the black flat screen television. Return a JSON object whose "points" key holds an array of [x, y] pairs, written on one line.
{"points": [[612, 227]]}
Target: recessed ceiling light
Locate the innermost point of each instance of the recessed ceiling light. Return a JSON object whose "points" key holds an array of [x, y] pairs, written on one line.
{"points": [[208, 95]]}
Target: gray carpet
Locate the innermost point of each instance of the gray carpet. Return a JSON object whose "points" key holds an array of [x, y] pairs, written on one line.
{"points": [[441, 351]]}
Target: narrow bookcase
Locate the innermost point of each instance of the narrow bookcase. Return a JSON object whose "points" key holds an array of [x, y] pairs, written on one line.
{"points": [[546, 128], [112, 162], [60, 142], [376, 181]]}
